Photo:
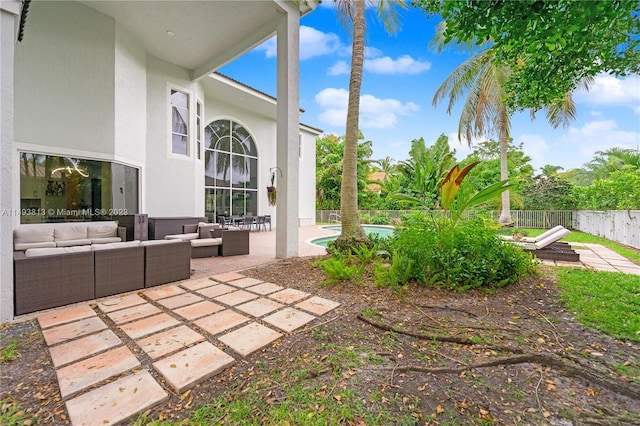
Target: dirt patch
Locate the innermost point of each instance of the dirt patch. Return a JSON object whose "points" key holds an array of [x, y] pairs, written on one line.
{"points": [[515, 356]]}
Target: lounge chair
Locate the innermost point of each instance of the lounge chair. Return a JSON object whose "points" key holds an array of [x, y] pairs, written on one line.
{"points": [[534, 239], [548, 248]]}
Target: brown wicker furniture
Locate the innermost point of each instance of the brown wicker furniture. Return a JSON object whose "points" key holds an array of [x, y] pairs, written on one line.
{"points": [[51, 280], [161, 226], [119, 268], [166, 261], [234, 242]]}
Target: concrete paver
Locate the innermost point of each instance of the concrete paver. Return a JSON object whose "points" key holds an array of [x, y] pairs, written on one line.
{"points": [[198, 310], [120, 302], [197, 284], [191, 366], [83, 347], [236, 297], [317, 305], [259, 307], [149, 325], [169, 341], [161, 292], [116, 401], [90, 371], [133, 313], [221, 321], [73, 330], [265, 288], [244, 282], [289, 295], [227, 276], [58, 317], [289, 319], [180, 300], [216, 290], [250, 338]]}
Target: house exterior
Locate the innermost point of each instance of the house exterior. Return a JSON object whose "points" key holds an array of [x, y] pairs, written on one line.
{"points": [[112, 108]]}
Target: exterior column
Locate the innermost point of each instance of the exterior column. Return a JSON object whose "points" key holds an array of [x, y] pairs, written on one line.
{"points": [[288, 131], [9, 18]]}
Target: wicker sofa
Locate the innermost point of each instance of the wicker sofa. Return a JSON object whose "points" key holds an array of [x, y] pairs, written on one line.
{"points": [[67, 234], [52, 276], [211, 239]]}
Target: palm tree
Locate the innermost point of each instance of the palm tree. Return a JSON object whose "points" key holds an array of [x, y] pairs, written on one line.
{"points": [[353, 12], [485, 109]]}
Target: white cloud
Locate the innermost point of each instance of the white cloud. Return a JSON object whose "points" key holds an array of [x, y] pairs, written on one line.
{"points": [[404, 64], [339, 68], [371, 52], [536, 147], [312, 43], [375, 113], [598, 136], [609, 90]]}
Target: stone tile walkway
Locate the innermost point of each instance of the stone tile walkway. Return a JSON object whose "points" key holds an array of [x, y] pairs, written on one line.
{"points": [[600, 258], [188, 331]]}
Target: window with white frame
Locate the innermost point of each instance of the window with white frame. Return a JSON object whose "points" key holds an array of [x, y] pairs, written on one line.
{"points": [[300, 147], [198, 130], [179, 122]]}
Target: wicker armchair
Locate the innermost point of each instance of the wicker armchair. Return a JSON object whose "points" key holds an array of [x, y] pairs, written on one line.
{"points": [[43, 282], [166, 261]]}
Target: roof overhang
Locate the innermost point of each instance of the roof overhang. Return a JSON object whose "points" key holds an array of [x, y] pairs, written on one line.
{"points": [[200, 36]]}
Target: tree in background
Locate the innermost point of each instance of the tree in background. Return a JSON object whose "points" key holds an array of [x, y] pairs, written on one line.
{"points": [[352, 13], [548, 192], [329, 163], [550, 46], [421, 176], [489, 170], [549, 170], [481, 79]]}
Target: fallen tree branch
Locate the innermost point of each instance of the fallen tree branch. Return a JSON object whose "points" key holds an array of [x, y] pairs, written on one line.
{"points": [[546, 359], [450, 339]]}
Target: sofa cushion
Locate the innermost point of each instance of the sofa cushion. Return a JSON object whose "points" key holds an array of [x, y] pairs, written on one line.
{"points": [[102, 230], [69, 243], [105, 240], [25, 246], [206, 242], [160, 242], [182, 237], [35, 252], [189, 229], [204, 230], [116, 245], [70, 231], [32, 234]]}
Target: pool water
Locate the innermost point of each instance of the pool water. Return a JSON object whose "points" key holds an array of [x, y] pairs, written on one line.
{"points": [[382, 231]]}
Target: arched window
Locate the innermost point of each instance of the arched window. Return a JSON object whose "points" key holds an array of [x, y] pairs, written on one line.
{"points": [[231, 170]]}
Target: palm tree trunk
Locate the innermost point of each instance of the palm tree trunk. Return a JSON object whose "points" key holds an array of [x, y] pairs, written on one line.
{"points": [[505, 214], [352, 232]]}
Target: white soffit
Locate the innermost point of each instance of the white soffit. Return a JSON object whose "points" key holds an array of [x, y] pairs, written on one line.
{"points": [[197, 35]]}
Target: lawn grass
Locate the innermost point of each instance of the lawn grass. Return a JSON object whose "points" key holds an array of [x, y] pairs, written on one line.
{"points": [[606, 301], [582, 237]]}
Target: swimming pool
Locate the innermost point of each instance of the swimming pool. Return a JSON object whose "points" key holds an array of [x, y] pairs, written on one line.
{"points": [[383, 231]]}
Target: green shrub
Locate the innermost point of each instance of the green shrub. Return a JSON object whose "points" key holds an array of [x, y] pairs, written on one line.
{"points": [[460, 257], [380, 219]]}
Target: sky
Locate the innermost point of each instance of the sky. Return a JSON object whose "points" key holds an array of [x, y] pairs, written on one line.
{"points": [[401, 76]]}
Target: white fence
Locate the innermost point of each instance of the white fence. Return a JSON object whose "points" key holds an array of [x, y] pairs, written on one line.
{"points": [[543, 219], [622, 226]]}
